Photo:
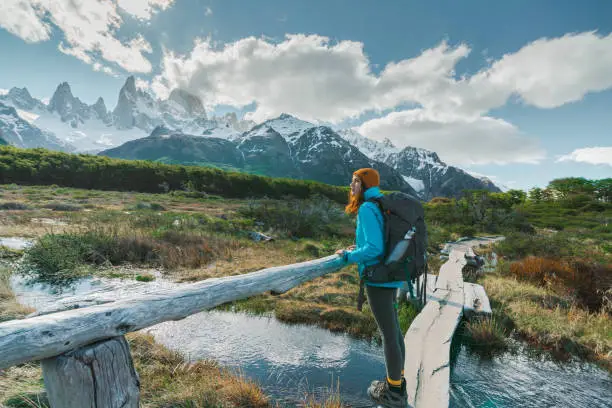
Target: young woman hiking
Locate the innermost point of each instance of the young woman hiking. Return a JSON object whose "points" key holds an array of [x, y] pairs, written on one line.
{"points": [[390, 392]]}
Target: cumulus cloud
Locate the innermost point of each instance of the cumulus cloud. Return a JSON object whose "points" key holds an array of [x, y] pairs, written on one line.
{"points": [[304, 75], [458, 140], [320, 80], [23, 19], [591, 155], [142, 84], [144, 9], [316, 79], [3, 91], [88, 27], [107, 70]]}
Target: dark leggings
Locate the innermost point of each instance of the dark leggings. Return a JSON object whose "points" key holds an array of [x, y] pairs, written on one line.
{"points": [[381, 301]]}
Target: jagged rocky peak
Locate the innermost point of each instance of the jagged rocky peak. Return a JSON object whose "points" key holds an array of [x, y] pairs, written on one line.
{"points": [[100, 109], [285, 116], [129, 87], [423, 155], [388, 143], [62, 99], [123, 111], [100, 105], [191, 103], [289, 126], [22, 99], [69, 107], [20, 94]]}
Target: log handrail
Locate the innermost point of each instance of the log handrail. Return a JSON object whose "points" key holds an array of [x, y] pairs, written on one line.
{"points": [[50, 335]]}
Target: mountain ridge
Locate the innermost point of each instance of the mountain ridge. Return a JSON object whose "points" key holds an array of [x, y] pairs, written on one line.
{"points": [[305, 148]]}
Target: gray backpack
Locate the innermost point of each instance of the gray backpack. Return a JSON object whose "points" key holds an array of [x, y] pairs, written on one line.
{"points": [[405, 235]]}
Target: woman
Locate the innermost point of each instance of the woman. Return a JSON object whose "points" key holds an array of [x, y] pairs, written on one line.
{"points": [[369, 247]]}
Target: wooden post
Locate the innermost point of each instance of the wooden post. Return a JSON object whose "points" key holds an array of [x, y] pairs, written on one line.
{"points": [[99, 375]]}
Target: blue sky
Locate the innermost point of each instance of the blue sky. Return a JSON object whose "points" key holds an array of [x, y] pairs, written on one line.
{"points": [[551, 96]]}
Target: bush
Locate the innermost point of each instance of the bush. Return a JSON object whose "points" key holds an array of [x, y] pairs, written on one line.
{"points": [[587, 282], [62, 207], [147, 206], [62, 258], [13, 205], [486, 333], [519, 245], [145, 278], [300, 218]]}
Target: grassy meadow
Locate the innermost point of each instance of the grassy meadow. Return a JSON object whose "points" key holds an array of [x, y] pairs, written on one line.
{"points": [[551, 286]]}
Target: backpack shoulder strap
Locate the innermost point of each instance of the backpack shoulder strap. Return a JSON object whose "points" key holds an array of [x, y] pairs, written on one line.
{"points": [[384, 225]]}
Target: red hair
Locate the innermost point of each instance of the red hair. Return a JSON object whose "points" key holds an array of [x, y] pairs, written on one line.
{"points": [[354, 202]]}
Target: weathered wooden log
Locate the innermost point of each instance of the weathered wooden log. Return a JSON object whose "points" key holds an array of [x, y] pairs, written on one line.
{"points": [[475, 300], [100, 375], [54, 334], [73, 303], [427, 366]]}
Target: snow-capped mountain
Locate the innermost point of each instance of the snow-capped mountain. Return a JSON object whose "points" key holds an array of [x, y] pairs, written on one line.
{"points": [[92, 128], [315, 153], [421, 168], [375, 150], [20, 98], [284, 146], [289, 127], [71, 110], [18, 132]]}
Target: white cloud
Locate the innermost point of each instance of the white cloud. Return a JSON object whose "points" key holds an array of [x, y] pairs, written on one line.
{"points": [[23, 19], [208, 12], [303, 75], [142, 84], [591, 155], [89, 28], [144, 9], [3, 91], [458, 140], [319, 80], [107, 70], [316, 79]]}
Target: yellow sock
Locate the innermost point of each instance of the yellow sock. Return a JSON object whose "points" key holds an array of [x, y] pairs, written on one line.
{"points": [[394, 383]]}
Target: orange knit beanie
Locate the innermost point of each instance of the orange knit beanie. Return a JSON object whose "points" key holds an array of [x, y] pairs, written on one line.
{"points": [[369, 177]]}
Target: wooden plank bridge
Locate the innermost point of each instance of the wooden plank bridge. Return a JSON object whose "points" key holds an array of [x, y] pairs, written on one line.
{"points": [[86, 360]]}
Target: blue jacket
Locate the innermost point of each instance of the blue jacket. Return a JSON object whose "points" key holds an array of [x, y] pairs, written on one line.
{"points": [[369, 240]]}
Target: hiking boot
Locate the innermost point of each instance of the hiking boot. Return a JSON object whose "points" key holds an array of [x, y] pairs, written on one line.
{"points": [[381, 394]]}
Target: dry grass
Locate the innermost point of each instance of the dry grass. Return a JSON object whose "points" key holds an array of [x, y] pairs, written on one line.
{"points": [[542, 271], [248, 257], [168, 380], [585, 281], [22, 386], [552, 322], [9, 308], [486, 332]]}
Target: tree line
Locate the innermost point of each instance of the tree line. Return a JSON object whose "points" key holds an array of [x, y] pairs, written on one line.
{"points": [[46, 167]]}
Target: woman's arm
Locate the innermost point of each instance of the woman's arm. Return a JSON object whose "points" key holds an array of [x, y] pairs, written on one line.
{"points": [[373, 234]]}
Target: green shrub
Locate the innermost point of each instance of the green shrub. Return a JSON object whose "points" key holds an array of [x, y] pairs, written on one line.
{"points": [[44, 167], [12, 205], [145, 278], [147, 206], [62, 207], [299, 218]]}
